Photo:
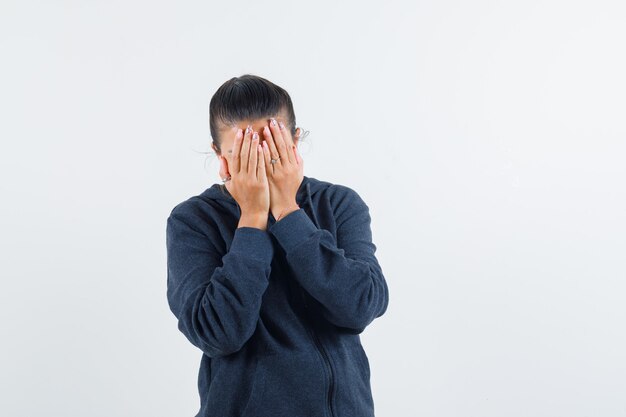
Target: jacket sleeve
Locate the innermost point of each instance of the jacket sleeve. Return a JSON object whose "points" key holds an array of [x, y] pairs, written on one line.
{"points": [[215, 297], [343, 275]]}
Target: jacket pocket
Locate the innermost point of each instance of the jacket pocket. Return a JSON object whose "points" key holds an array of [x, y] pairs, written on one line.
{"points": [[234, 380], [290, 384], [354, 395], [258, 383]]}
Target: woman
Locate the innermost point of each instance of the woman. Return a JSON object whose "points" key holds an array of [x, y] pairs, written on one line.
{"points": [[273, 274]]}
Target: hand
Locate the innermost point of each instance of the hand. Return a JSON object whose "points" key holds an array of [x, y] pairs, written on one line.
{"points": [[246, 167], [286, 175]]}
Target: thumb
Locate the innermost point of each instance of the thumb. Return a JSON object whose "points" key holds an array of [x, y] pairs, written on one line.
{"points": [[224, 173]]}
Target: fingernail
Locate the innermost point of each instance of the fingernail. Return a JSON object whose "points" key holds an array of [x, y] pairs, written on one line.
{"points": [[273, 122], [249, 129], [255, 136], [282, 126], [238, 135]]}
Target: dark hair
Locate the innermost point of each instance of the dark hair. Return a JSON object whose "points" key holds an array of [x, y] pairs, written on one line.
{"points": [[245, 98], [248, 97]]}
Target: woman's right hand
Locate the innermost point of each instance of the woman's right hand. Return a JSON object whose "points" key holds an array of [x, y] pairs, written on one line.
{"points": [[248, 184]]}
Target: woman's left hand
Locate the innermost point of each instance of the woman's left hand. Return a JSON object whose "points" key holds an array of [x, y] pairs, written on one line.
{"points": [[285, 175]]}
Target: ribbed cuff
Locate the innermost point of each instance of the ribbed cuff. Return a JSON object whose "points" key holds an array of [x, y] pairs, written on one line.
{"points": [[253, 243], [292, 229]]}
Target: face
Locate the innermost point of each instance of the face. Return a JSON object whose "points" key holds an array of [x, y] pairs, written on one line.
{"points": [[227, 133]]}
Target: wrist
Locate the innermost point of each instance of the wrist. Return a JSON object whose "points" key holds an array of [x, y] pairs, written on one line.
{"points": [[284, 211], [258, 220]]}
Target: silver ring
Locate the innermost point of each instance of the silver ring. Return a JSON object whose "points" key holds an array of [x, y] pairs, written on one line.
{"points": [[273, 161], [226, 179]]}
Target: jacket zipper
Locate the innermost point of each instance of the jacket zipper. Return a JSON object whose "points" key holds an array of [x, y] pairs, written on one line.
{"points": [[320, 347]]}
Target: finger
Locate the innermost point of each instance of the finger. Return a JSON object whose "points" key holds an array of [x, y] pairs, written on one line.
{"points": [[270, 138], [281, 143], [254, 152], [269, 169], [235, 152], [245, 150], [261, 175]]}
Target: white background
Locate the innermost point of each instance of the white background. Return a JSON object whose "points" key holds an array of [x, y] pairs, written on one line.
{"points": [[487, 138]]}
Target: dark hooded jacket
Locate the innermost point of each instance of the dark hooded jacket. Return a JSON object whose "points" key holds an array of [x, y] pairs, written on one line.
{"points": [[277, 313]]}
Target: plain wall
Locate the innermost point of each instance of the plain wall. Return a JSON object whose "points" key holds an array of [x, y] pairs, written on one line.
{"points": [[487, 138]]}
